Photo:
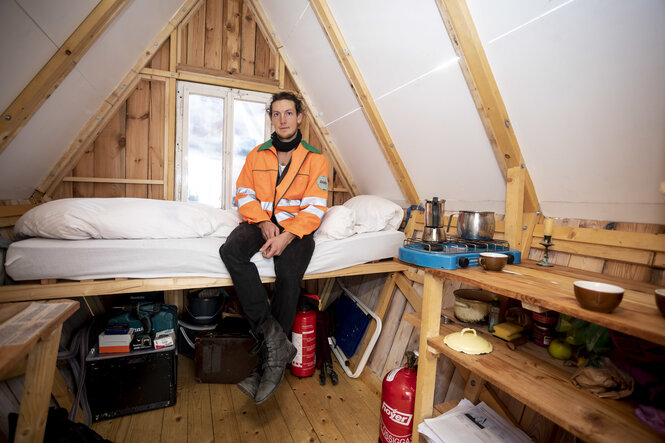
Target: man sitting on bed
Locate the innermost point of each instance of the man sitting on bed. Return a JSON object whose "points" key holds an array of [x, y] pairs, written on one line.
{"points": [[282, 195]]}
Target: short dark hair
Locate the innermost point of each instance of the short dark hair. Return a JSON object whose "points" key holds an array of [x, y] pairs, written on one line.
{"points": [[285, 95]]}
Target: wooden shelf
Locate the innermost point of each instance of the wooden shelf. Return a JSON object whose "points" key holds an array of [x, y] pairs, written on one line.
{"points": [[544, 385], [552, 288]]}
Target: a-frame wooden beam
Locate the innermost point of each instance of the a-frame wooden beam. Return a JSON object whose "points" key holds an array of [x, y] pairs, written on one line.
{"points": [[320, 129], [56, 69], [485, 93], [368, 106], [97, 122]]}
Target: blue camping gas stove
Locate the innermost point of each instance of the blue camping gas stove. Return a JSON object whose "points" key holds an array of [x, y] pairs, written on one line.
{"points": [[453, 253]]}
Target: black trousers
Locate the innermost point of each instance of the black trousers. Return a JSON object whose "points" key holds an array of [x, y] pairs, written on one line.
{"points": [[290, 266]]}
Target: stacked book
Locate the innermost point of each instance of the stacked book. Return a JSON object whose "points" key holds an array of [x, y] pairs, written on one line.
{"points": [[114, 341]]}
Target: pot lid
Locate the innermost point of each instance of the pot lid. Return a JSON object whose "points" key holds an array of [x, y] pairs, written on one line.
{"points": [[468, 341]]}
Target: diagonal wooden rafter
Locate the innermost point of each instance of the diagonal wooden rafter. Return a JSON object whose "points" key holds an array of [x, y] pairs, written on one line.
{"points": [[368, 106], [98, 121], [485, 93], [320, 129], [56, 69]]}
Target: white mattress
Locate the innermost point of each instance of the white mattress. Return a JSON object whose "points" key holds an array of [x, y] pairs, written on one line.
{"points": [[40, 258]]}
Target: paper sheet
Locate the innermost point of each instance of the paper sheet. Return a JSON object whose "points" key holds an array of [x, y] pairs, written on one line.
{"points": [[466, 423]]}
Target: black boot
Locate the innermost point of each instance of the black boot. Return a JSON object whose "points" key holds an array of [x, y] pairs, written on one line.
{"points": [[277, 352], [250, 384]]}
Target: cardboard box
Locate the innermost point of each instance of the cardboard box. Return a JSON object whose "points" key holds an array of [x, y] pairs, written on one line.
{"points": [[113, 343]]}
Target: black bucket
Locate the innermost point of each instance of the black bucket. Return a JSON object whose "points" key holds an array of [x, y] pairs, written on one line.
{"points": [[204, 307]]}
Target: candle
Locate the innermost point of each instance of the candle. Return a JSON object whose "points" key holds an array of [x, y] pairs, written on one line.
{"points": [[548, 226]]}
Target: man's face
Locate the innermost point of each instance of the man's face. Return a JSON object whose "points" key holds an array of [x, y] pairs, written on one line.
{"points": [[285, 120]]}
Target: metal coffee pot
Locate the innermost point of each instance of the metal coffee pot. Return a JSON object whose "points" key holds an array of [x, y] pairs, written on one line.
{"points": [[433, 230]]}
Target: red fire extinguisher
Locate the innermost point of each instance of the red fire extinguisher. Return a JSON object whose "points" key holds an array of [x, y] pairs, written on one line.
{"points": [[303, 337], [398, 399]]}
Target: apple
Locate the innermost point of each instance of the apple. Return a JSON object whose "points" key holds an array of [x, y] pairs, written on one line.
{"points": [[560, 350]]}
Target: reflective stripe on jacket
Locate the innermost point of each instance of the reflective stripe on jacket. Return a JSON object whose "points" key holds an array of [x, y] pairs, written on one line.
{"points": [[299, 201]]}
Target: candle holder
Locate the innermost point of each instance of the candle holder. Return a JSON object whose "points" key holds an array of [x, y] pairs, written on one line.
{"points": [[547, 243]]}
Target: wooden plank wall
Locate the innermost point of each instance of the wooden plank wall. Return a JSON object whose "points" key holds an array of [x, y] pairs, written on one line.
{"points": [[634, 265], [221, 38], [131, 146]]}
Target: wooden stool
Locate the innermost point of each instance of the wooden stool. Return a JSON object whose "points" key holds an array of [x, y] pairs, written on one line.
{"points": [[33, 329]]}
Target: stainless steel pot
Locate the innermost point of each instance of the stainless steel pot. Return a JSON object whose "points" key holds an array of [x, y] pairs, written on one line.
{"points": [[474, 225], [472, 305]]}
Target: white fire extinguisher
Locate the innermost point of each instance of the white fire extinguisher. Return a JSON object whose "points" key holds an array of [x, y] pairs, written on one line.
{"points": [[398, 399]]}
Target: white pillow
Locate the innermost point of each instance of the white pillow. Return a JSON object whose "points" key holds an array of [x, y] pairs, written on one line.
{"points": [[130, 218], [375, 213], [338, 223]]}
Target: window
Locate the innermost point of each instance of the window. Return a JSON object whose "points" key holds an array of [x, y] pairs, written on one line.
{"points": [[216, 128]]}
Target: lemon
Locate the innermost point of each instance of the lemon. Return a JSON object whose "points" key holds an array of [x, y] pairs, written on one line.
{"points": [[560, 349]]}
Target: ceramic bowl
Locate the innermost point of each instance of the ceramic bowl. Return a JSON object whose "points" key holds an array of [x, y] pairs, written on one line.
{"points": [[492, 261], [660, 300], [596, 296]]}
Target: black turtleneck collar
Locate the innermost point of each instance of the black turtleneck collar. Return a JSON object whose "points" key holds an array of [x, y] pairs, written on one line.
{"points": [[285, 146]]}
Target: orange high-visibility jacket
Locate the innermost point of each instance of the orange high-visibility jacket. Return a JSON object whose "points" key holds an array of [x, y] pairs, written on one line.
{"points": [[299, 201]]}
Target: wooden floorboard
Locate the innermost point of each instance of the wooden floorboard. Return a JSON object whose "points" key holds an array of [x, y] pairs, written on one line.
{"points": [[300, 411]]}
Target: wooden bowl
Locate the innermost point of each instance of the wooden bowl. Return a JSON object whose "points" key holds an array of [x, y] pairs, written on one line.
{"points": [[596, 296], [660, 300]]}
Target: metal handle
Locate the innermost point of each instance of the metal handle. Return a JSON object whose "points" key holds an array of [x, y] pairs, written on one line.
{"points": [[450, 218]]}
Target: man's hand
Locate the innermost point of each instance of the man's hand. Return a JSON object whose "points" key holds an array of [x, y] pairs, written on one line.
{"points": [[268, 229], [276, 245]]}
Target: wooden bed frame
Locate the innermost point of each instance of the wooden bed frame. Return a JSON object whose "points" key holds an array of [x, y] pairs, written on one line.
{"points": [[58, 289]]}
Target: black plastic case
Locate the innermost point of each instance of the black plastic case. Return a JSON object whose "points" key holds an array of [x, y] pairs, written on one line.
{"points": [[126, 383]]}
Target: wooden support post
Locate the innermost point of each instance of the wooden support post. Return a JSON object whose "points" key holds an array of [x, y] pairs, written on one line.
{"points": [[415, 222], [175, 298], [429, 327], [411, 295], [514, 206], [324, 292], [474, 384], [529, 219], [37, 389]]}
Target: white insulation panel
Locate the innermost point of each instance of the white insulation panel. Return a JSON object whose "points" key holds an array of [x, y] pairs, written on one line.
{"points": [[25, 49], [583, 85], [49, 133], [58, 19]]}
